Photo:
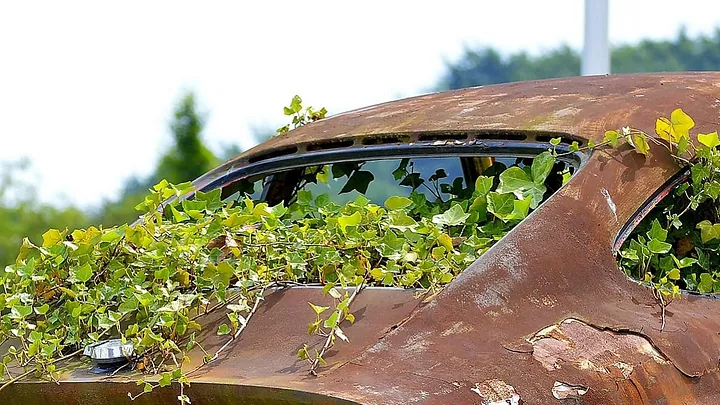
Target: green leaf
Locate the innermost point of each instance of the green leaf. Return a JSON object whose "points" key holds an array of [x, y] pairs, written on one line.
{"points": [[698, 174], [541, 166], [681, 123], [224, 273], [129, 305], [611, 137], [400, 220], [521, 208], [710, 140], [452, 217], [412, 180], [332, 320], [82, 273], [663, 127], [708, 231], [684, 262], [657, 231], [21, 311], [349, 220], [639, 142], [658, 247], [318, 309], [446, 241], [515, 180], [706, 283], [358, 181], [178, 216], [165, 380], [42, 310], [555, 141], [223, 330], [483, 185], [52, 237], [500, 205], [397, 203], [674, 274], [682, 146]]}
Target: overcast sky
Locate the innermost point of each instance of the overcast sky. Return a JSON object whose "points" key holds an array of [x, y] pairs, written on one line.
{"points": [[87, 89]]}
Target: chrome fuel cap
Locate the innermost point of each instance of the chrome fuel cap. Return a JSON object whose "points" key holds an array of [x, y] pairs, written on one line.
{"points": [[109, 351]]}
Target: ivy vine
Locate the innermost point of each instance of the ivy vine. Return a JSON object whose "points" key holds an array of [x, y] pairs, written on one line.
{"points": [[151, 283]]}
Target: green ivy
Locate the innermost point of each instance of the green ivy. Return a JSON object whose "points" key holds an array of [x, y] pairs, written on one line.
{"points": [[677, 246], [151, 283]]}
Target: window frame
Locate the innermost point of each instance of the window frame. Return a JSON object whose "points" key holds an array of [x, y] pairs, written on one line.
{"points": [[511, 149]]}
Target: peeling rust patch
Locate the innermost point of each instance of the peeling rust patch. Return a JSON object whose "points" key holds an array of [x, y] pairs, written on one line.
{"points": [[561, 390], [496, 392], [578, 344]]}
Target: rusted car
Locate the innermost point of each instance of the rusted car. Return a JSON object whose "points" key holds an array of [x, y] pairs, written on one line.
{"points": [[545, 316]]}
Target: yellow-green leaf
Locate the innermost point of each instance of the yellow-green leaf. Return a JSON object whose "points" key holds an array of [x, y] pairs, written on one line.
{"points": [[349, 220], [611, 137], [51, 237], [317, 308], [639, 142], [664, 129], [446, 241], [710, 140], [681, 124], [397, 203]]}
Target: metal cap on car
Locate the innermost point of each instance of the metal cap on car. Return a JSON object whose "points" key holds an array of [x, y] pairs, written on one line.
{"points": [[109, 351]]}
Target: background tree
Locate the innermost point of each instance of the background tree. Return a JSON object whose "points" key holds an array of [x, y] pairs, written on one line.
{"points": [[21, 215], [187, 159], [487, 66]]}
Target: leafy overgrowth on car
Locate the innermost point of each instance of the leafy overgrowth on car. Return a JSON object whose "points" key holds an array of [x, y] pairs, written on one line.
{"points": [[151, 283], [677, 246]]}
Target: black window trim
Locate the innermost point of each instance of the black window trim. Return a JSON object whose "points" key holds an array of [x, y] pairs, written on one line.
{"points": [[379, 152]]}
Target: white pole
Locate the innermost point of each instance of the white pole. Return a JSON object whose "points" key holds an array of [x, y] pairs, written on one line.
{"points": [[596, 53]]}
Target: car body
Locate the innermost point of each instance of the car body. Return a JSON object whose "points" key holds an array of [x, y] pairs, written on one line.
{"points": [[545, 315]]}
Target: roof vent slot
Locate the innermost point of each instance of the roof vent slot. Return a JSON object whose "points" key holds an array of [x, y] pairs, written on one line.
{"points": [[334, 144], [385, 139], [500, 136], [273, 154], [547, 138], [443, 136]]}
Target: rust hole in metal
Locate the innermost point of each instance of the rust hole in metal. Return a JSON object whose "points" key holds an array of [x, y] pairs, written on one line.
{"points": [[329, 145], [273, 154]]}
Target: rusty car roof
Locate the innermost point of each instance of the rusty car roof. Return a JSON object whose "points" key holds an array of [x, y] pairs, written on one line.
{"points": [[545, 313], [580, 106]]}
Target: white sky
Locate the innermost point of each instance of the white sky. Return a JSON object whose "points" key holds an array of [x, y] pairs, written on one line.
{"points": [[87, 89]]}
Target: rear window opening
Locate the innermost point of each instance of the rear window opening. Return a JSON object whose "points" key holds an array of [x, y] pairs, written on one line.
{"points": [[435, 178], [659, 249]]}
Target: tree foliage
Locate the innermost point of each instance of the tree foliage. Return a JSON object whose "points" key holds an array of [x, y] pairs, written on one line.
{"points": [[487, 66], [187, 159], [22, 215]]}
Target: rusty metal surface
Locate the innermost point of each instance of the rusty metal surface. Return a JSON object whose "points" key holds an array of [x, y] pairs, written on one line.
{"points": [[545, 313]]}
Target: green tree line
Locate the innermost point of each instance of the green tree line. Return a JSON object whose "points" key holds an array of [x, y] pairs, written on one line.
{"points": [[485, 66]]}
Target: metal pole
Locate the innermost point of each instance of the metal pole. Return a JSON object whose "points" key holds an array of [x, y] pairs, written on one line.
{"points": [[596, 53]]}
